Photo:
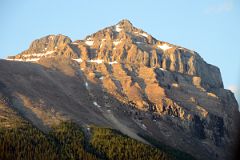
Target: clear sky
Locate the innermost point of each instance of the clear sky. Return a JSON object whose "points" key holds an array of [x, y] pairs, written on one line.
{"points": [[212, 28]]}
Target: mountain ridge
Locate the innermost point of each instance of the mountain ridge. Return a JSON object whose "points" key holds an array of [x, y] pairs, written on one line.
{"points": [[114, 51]]}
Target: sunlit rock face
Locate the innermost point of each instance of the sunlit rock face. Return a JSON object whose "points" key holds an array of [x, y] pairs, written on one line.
{"points": [[123, 73]]}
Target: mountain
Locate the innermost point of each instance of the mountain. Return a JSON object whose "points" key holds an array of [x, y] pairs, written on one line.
{"points": [[123, 78]]}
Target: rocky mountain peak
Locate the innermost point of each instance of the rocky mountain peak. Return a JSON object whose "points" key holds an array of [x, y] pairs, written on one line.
{"points": [[50, 42], [46, 47], [123, 77], [125, 22], [124, 43], [124, 25]]}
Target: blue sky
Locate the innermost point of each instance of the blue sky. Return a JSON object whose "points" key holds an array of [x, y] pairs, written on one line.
{"points": [[212, 28]]}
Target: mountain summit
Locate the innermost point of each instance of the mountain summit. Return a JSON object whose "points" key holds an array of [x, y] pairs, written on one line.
{"points": [[123, 78], [124, 43]]}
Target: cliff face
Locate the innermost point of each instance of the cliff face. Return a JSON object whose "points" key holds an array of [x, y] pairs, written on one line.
{"points": [[123, 77]]}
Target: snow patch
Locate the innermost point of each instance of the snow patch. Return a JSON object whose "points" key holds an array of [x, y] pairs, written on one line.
{"points": [[98, 61], [175, 85], [95, 103], [86, 84], [89, 38], [114, 62], [39, 54], [24, 60], [9, 59], [36, 56], [89, 43], [144, 127], [32, 59], [118, 28], [49, 52], [144, 34], [162, 69], [78, 60], [164, 47]]}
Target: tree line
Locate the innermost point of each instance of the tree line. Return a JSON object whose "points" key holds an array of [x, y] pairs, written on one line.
{"points": [[67, 141]]}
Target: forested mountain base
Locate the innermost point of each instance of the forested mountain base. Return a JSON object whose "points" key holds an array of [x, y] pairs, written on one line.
{"points": [[68, 141], [118, 146]]}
